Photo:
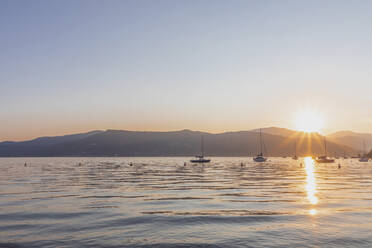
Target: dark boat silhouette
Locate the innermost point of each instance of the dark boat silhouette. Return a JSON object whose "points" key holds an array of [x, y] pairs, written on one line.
{"points": [[260, 157], [295, 153], [324, 159], [364, 157], [200, 158]]}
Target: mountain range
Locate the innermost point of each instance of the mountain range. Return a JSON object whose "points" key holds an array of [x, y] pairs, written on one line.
{"points": [[276, 142]]}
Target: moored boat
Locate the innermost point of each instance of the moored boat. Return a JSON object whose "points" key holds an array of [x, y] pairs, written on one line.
{"points": [[325, 158], [295, 153], [260, 157], [364, 157], [200, 158]]}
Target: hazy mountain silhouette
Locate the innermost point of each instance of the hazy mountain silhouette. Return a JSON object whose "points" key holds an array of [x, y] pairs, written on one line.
{"points": [[35, 146], [352, 139], [278, 142], [277, 131]]}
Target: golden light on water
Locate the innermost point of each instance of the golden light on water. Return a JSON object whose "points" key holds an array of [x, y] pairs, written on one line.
{"points": [[312, 211], [309, 121], [311, 183]]}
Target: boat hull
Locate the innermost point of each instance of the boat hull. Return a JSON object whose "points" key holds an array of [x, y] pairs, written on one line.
{"points": [[200, 160], [325, 161], [259, 159]]}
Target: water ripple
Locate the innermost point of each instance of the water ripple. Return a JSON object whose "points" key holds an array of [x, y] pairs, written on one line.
{"points": [[159, 202]]}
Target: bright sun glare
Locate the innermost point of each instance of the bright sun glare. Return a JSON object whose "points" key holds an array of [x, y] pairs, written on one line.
{"points": [[308, 121]]}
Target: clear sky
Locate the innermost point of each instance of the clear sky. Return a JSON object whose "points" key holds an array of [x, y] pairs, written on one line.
{"points": [[71, 66]]}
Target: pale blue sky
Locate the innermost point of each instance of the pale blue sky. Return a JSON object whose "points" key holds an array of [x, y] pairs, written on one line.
{"points": [[72, 66]]}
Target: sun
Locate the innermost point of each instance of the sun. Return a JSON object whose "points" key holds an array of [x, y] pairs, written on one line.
{"points": [[309, 121]]}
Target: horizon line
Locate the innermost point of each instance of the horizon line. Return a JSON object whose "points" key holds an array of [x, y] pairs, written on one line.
{"points": [[175, 130]]}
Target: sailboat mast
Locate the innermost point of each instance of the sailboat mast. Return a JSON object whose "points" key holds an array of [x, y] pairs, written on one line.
{"points": [[260, 142], [295, 148], [202, 146], [325, 146]]}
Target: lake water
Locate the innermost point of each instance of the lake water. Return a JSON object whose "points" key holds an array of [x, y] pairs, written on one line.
{"points": [[159, 202]]}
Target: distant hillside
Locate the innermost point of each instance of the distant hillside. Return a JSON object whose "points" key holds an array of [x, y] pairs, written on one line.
{"points": [[353, 139], [35, 146], [277, 131], [177, 143]]}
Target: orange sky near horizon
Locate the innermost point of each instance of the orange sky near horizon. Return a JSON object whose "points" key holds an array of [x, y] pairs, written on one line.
{"points": [[19, 133]]}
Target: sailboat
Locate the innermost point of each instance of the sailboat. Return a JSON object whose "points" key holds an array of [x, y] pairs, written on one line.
{"points": [[295, 155], [260, 158], [200, 158], [345, 157], [364, 158], [312, 153], [324, 159]]}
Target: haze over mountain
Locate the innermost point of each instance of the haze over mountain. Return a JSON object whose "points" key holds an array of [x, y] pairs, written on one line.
{"points": [[353, 139], [277, 142], [277, 131]]}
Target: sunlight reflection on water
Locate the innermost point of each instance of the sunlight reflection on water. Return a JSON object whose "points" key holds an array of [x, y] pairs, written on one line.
{"points": [[311, 184], [310, 181]]}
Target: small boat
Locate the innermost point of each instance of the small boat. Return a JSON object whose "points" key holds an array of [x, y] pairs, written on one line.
{"points": [[324, 159], [345, 157], [200, 158], [295, 155], [260, 157], [364, 157]]}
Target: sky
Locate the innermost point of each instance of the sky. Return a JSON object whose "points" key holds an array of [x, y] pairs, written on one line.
{"points": [[74, 66]]}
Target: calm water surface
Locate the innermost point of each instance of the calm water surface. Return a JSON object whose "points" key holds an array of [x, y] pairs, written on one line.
{"points": [[159, 202]]}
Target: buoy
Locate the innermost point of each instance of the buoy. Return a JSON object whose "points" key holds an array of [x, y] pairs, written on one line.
{"points": [[130, 164], [241, 164], [184, 164], [79, 164], [25, 164]]}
